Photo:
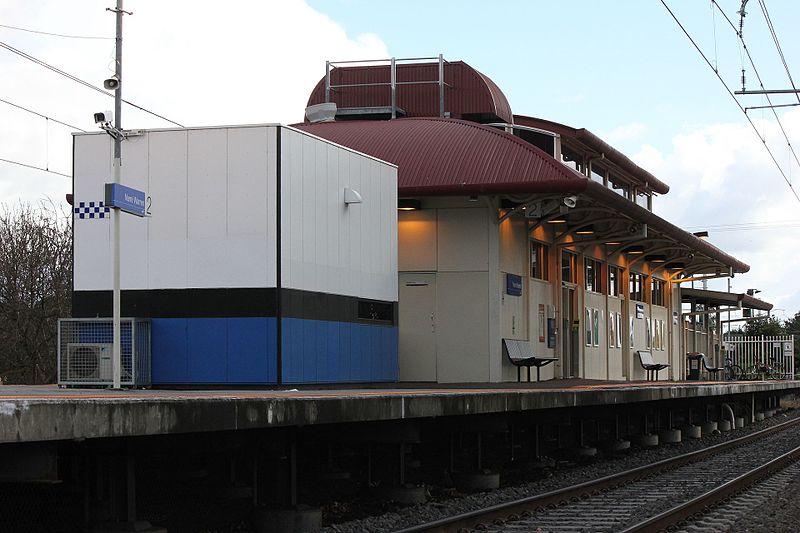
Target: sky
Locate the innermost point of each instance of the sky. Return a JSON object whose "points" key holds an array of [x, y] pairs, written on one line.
{"points": [[622, 69]]}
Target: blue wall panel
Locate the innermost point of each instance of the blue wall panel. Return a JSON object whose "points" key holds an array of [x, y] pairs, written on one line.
{"points": [[251, 350], [317, 351], [169, 343], [208, 346]]}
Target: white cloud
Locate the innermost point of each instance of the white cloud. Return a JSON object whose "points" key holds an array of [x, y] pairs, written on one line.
{"points": [[720, 175], [195, 62], [625, 132]]}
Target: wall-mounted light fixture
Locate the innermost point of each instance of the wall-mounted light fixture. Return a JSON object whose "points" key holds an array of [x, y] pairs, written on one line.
{"points": [[612, 243], [352, 196], [408, 204], [586, 230], [634, 250], [557, 221]]}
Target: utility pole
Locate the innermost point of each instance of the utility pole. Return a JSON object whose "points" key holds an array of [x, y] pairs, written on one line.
{"points": [[116, 364]]}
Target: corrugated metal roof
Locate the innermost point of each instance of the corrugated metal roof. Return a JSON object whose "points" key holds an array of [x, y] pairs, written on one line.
{"points": [[469, 92], [718, 298], [598, 145], [447, 156]]}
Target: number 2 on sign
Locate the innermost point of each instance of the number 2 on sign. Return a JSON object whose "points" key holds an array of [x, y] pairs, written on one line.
{"points": [[149, 204]]}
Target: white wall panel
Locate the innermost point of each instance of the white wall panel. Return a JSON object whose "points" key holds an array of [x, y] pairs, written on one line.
{"points": [[167, 228], [133, 230], [247, 249], [206, 205], [462, 329], [92, 253], [463, 240], [328, 246]]}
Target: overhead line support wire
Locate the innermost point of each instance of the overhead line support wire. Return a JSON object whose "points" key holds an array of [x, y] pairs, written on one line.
{"points": [[763, 141], [34, 167], [56, 34], [41, 115], [80, 81], [761, 84]]}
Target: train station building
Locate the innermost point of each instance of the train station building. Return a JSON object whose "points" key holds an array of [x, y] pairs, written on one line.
{"points": [[516, 227]]}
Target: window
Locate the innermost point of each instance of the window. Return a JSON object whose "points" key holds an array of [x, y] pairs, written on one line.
{"points": [[618, 319], [375, 311], [630, 329], [596, 327], [614, 274], [568, 267], [612, 331], [592, 276], [587, 326], [657, 292], [636, 288], [648, 330], [539, 260]]}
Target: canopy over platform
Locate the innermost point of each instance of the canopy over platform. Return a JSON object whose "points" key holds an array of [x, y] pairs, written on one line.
{"points": [[723, 299]]}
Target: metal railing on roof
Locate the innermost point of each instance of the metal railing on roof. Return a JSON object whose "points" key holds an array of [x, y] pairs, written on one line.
{"points": [[393, 83]]}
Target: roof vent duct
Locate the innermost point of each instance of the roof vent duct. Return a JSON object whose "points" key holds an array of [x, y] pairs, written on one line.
{"points": [[324, 112]]}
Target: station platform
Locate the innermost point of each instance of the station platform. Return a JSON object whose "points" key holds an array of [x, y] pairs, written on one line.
{"points": [[47, 412]]}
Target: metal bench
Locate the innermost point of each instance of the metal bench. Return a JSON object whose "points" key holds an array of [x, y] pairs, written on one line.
{"points": [[520, 354], [708, 365], [649, 364]]}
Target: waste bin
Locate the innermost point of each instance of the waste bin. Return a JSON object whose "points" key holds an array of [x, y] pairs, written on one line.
{"points": [[694, 359]]}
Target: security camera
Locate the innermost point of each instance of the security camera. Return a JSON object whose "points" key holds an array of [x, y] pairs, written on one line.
{"points": [[111, 83], [570, 201], [103, 117]]}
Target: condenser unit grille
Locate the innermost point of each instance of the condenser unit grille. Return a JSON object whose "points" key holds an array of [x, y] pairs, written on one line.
{"points": [[85, 352]]}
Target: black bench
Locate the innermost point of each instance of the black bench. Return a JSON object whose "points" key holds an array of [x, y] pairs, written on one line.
{"points": [[707, 364], [520, 354], [649, 364]]}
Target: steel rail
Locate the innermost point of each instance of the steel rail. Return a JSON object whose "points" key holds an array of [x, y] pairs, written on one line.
{"points": [[562, 496], [681, 514]]}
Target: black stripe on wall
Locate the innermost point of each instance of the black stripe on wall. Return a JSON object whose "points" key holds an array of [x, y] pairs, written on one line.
{"points": [[238, 302]]}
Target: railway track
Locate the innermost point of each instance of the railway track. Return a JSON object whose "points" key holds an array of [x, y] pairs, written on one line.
{"points": [[671, 493]]}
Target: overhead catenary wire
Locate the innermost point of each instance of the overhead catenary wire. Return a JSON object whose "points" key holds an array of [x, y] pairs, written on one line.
{"points": [[11, 161], [80, 81], [772, 32], [12, 104], [761, 83], [733, 96], [28, 30]]}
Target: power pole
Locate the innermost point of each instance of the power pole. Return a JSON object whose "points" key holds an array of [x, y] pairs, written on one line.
{"points": [[116, 364]]}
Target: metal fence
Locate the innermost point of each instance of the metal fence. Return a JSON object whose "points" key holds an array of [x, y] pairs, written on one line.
{"points": [[754, 354], [85, 351]]}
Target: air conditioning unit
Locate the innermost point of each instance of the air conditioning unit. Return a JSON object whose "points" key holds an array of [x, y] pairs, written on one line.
{"points": [[89, 362]]}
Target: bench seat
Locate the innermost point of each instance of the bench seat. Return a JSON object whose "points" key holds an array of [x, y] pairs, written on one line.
{"points": [[650, 365], [520, 354]]}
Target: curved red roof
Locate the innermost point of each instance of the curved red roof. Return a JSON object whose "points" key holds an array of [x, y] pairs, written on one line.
{"points": [[447, 156], [470, 94]]}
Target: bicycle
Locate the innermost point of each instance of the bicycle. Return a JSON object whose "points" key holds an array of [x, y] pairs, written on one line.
{"points": [[760, 368], [733, 372]]}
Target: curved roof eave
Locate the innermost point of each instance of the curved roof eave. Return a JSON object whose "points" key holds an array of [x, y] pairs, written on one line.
{"points": [[611, 199], [599, 145], [440, 156]]}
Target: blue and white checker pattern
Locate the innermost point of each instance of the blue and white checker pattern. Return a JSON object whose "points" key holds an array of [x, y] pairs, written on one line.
{"points": [[92, 210]]}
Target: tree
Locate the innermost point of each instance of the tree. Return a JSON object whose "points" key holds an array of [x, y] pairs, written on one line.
{"points": [[35, 289], [763, 326]]}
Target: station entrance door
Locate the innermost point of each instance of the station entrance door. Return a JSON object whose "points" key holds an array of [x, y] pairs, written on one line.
{"points": [[570, 348]]}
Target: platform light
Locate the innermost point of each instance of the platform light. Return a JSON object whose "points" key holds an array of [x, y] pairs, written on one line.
{"points": [[659, 258], [634, 250], [408, 204], [612, 243], [557, 221], [586, 230], [675, 266], [701, 235]]}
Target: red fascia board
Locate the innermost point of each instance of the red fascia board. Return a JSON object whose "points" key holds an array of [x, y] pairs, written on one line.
{"points": [[754, 303]]}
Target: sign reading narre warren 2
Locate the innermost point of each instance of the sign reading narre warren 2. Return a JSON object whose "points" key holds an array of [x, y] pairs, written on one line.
{"points": [[124, 198]]}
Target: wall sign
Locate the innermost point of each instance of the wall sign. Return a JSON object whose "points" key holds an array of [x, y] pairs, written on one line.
{"points": [[513, 285], [125, 199], [541, 322], [639, 311], [674, 318]]}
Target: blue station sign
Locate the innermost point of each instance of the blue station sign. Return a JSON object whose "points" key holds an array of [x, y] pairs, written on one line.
{"points": [[513, 285], [125, 199]]}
